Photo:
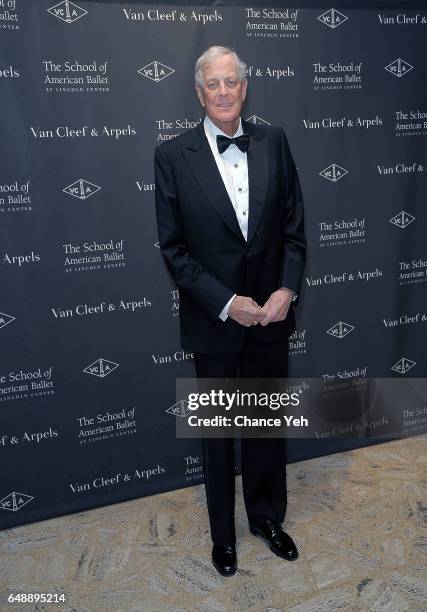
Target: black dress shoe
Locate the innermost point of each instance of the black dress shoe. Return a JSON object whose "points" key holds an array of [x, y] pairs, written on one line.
{"points": [[280, 542], [224, 559]]}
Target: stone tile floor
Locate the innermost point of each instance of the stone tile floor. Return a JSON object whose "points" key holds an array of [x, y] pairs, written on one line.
{"points": [[359, 519]]}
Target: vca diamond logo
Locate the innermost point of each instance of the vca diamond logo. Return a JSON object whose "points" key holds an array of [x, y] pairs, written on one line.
{"points": [[399, 67], [403, 365], [5, 319], [257, 120], [14, 501], [333, 173], [332, 18], [101, 367], [67, 11], [402, 219], [81, 189], [340, 329], [179, 409], [156, 71]]}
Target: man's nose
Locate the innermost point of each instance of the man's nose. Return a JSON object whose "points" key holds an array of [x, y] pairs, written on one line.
{"points": [[223, 89]]}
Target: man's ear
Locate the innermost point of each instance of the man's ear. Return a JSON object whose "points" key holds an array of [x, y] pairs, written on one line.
{"points": [[244, 88], [200, 96]]}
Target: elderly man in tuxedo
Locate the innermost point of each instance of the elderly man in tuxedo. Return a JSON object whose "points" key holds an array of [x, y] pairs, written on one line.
{"points": [[231, 230]]}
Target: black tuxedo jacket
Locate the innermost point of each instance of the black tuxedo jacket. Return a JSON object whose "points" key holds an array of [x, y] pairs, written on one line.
{"points": [[204, 248]]}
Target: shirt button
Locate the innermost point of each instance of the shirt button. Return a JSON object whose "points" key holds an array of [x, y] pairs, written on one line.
{"points": [[244, 212], [236, 165], [239, 189]]}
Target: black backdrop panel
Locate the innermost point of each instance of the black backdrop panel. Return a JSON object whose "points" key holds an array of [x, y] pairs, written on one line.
{"points": [[89, 316]]}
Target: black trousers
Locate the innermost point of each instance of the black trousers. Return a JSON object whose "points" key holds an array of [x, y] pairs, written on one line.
{"points": [[263, 460]]}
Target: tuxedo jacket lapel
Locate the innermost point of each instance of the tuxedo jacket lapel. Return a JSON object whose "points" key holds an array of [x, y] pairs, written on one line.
{"points": [[258, 174], [205, 171]]}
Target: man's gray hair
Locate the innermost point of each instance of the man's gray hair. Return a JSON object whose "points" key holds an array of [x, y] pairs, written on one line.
{"points": [[212, 54]]}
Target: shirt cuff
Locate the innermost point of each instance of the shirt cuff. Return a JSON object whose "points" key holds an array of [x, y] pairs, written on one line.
{"points": [[295, 295], [223, 315]]}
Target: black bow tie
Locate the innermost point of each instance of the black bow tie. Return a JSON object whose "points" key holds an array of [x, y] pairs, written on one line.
{"points": [[223, 142]]}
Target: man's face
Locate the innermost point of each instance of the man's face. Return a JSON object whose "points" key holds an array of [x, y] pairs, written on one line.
{"points": [[223, 94]]}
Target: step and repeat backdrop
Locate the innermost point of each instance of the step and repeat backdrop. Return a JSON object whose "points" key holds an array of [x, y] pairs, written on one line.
{"points": [[89, 317]]}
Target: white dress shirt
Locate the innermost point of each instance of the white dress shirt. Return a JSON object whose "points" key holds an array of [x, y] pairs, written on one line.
{"points": [[233, 167]]}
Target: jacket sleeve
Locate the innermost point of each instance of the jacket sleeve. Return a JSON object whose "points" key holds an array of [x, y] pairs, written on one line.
{"points": [[203, 289], [293, 229]]}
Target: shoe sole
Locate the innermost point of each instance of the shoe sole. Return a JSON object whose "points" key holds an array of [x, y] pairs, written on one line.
{"points": [[258, 533]]}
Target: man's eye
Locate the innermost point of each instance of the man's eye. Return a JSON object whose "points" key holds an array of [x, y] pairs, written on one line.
{"points": [[212, 85], [231, 83]]}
